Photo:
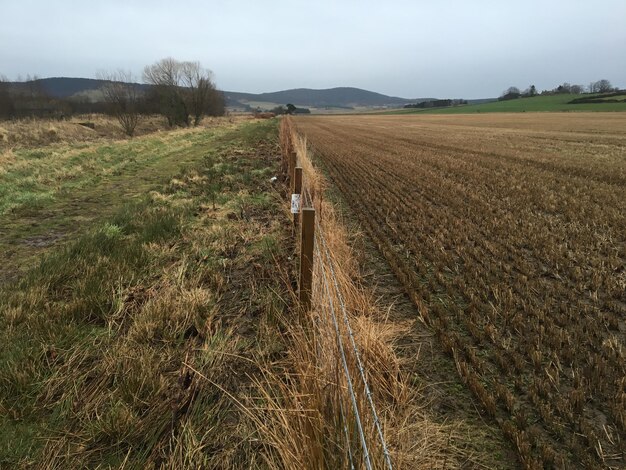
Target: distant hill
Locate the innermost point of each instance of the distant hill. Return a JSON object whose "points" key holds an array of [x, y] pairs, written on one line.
{"points": [[64, 87], [342, 97]]}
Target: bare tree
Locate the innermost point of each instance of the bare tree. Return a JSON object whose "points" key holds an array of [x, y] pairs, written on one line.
{"points": [[166, 76], [199, 89], [564, 88], [576, 89], [185, 88], [602, 86], [122, 96]]}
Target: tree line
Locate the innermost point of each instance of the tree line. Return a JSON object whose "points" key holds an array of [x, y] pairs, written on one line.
{"points": [[436, 104], [601, 86], [181, 91]]}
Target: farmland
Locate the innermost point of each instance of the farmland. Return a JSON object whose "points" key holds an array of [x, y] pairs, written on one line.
{"points": [[549, 103], [508, 234]]}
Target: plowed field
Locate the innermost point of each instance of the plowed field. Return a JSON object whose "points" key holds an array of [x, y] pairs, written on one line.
{"points": [[508, 232]]}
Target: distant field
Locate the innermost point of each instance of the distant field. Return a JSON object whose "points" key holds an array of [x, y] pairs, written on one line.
{"points": [[508, 234], [555, 103], [616, 97]]}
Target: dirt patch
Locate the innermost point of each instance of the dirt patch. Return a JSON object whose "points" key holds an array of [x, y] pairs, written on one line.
{"points": [[44, 240]]}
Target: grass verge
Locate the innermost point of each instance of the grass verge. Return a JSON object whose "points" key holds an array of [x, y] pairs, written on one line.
{"points": [[131, 346], [51, 194]]}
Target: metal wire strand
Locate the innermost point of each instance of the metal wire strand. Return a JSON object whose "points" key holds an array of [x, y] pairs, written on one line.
{"points": [[308, 200], [368, 392], [345, 430], [366, 455]]}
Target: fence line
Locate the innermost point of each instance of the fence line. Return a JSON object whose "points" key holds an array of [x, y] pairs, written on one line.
{"points": [[357, 354], [355, 408], [329, 292], [345, 430]]}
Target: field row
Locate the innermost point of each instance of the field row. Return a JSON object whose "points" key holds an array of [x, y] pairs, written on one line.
{"points": [[510, 240]]}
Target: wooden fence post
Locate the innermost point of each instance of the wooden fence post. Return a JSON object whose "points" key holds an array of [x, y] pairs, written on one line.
{"points": [[306, 257], [297, 189], [292, 166]]}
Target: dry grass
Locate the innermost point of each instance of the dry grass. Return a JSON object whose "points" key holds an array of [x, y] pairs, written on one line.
{"points": [[36, 132]]}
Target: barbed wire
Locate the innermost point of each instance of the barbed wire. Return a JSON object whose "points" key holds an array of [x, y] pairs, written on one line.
{"points": [[307, 201], [355, 408], [345, 430], [318, 352], [357, 354]]}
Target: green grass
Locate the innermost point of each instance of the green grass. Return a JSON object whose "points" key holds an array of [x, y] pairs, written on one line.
{"points": [[53, 193], [98, 337], [615, 97], [553, 103]]}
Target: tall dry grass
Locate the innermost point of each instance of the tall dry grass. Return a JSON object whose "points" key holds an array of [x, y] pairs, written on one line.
{"points": [[36, 132], [308, 417]]}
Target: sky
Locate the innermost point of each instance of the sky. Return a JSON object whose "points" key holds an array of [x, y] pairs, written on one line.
{"points": [[421, 48]]}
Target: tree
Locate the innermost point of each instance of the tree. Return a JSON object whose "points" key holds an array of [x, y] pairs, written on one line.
{"points": [[216, 105], [199, 89], [510, 94], [7, 108], [278, 110], [166, 76], [576, 89], [290, 108], [602, 86], [122, 97], [530, 92], [185, 89]]}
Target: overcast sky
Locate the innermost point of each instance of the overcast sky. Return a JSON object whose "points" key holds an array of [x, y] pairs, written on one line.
{"points": [[419, 48]]}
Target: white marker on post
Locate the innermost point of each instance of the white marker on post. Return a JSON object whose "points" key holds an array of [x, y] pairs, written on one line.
{"points": [[295, 203]]}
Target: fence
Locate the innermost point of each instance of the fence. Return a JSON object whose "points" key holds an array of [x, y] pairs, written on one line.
{"points": [[324, 296]]}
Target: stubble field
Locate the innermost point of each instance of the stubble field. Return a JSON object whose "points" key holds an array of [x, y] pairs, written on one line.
{"points": [[508, 233]]}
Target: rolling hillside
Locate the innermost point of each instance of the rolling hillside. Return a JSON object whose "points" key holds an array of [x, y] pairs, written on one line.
{"points": [[64, 87], [551, 103], [342, 97]]}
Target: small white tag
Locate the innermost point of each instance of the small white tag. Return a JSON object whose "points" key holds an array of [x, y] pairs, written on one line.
{"points": [[295, 203]]}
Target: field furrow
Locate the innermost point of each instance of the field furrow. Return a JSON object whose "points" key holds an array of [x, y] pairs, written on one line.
{"points": [[509, 235]]}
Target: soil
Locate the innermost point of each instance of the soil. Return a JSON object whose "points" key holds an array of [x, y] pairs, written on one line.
{"points": [[433, 373]]}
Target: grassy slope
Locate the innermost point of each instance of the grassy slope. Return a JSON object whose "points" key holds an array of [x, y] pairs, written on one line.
{"points": [[99, 339], [555, 103], [50, 193]]}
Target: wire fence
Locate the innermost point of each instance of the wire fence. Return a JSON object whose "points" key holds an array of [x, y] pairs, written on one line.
{"points": [[331, 305], [365, 443], [326, 259]]}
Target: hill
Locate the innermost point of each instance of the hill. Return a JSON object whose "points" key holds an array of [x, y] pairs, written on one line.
{"points": [[550, 103], [347, 98], [64, 87], [341, 97]]}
